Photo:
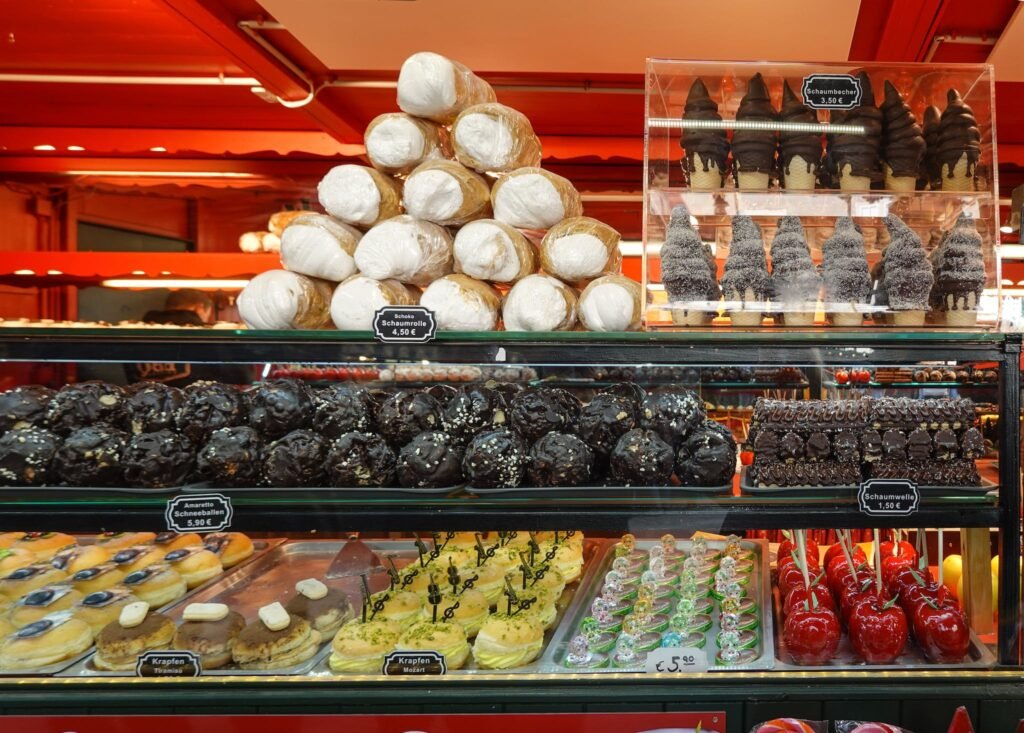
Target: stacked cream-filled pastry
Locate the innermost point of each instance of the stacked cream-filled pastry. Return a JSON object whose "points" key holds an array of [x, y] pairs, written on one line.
{"points": [[453, 213]]}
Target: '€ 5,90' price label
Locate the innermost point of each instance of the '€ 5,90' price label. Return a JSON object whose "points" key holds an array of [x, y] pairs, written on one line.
{"points": [[677, 660]]}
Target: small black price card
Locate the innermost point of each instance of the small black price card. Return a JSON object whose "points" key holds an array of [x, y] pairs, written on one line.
{"points": [[199, 513], [414, 663], [831, 91], [168, 664], [888, 497], [405, 324]]}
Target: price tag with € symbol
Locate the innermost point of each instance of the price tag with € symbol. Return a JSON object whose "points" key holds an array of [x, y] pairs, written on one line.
{"points": [[199, 513], [677, 660]]}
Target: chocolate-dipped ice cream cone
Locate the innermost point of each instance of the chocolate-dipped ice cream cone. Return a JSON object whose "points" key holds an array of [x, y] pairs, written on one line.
{"points": [[846, 274], [930, 165], [753, 150], [686, 272], [795, 279], [746, 284], [908, 274], [704, 140], [960, 273], [958, 144], [902, 142], [854, 157], [799, 152]]}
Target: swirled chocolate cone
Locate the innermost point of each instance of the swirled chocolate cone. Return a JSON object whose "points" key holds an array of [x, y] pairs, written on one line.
{"points": [[960, 273], [845, 272], [688, 277], [958, 144], [929, 165], [902, 142], [908, 274], [706, 147], [799, 152], [855, 155], [753, 150]]}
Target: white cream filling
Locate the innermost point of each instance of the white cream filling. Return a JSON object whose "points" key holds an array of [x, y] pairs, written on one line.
{"points": [[426, 85], [608, 307], [355, 302], [535, 303], [349, 193], [578, 256], [434, 195], [314, 251], [396, 142], [271, 300], [486, 252], [458, 309], [529, 201], [400, 248], [486, 138]]}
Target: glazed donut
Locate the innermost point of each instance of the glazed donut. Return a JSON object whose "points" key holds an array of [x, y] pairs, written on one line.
{"points": [[171, 541], [114, 541], [79, 557], [27, 579], [195, 564], [9, 538], [47, 641], [137, 557], [99, 577], [42, 602], [13, 558], [100, 608], [230, 547], [157, 585], [44, 544]]}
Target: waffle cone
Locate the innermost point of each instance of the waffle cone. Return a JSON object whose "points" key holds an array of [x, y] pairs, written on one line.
{"points": [[701, 180], [899, 183], [908, 318], [749, 181], [799, 178], [847, 320], [848, 182], [957, 179], [800, 318], [690, 318]]}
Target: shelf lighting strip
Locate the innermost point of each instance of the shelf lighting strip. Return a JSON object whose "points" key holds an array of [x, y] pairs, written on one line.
{"points": [[677, 123]]}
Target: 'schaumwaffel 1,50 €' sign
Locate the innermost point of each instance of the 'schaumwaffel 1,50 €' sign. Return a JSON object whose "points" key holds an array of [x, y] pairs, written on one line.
{"points": [[888, 497], [404, 324], [831, 91]]}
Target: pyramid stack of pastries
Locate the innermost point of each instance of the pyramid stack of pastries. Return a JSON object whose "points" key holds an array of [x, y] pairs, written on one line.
{"points": [[454, 213]]}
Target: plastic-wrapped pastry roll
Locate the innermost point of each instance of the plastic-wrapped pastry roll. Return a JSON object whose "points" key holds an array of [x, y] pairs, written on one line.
{"points": [[539, 303], [279, 299], [319, 246], [611, 303], [251, 242], [406, 249], [446, 193], [435, 87], [359, 195], [580, 248], [396, 142], [533, 198], [493, 138], [357, 299], [277, 222], [271, 242], [461, 303], [488, 249]]}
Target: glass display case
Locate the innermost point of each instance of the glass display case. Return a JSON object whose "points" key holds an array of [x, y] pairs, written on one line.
{"points": [[818, 169], [536, 516]]}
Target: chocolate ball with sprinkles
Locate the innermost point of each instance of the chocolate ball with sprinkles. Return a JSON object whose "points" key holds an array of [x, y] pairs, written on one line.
{"points": [[360, 459], [406, 414], [24, 406], [209, 406], [560, 459], [430, 460], [604, 420], [641, 458], [25, 456], [443, 393], [231, 457], [495, 459], [707, 456], [630, 390], [152, 406], [279, 406], [297, 459], [343, 408], [472, 410], [86, 404], [158, 459], [672, 415], [537, 412], [92, 456]]}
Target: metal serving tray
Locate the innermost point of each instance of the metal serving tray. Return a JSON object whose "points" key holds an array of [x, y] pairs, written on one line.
{"points": [[759, 591], [602, 492], [361, 492], [261, 548], [978, 655], [749, 487]]}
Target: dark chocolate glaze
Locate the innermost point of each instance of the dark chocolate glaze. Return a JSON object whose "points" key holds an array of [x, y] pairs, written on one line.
{"points": [[561, 459], [707, 457], [297, 459], [807, 145], [642, 458], [753, 151], [537, 412], [26, 455], [957, 135], [92, 456], [405, 414], [341, 408], [430, 460], [471, 410], [161, 458], [152, 406], [902, 139], [209, 406], [604, 420], [24, 406], [278, 406], [495, 459], [360, 459], [860, 151], [711, 142], [672, 415], [86, 404], [231, 457]]}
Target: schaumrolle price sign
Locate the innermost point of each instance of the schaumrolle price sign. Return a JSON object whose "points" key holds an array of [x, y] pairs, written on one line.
{"points": [[411, 324]]}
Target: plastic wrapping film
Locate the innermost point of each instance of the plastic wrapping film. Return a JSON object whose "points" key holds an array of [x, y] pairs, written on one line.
{"points": [[278, 221], [358, 298], [487, 249], [396, 142], [857, 726], [540, 303], [461, 303], [533, 198], [611, 303], [446, 193], [493, 138], [282, 300], [406, 249], [359, 195], [320, 246], [791, 725], [580, 248], [438, 88]]}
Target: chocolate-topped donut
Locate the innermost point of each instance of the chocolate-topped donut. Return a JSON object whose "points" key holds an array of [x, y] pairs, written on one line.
{"points": [[231, 457], [24, 406], [430, 460], [85, 404], [537, 412], [407, 413], [92, 456], [342, 408], [161, 458], [561, 459], [495, 459], [278, 406], [209, 406], [25, 456], [641, 458], [471, 410], [672, 415], [297, 459], [152, 406], [360, 459], [707, 456]]}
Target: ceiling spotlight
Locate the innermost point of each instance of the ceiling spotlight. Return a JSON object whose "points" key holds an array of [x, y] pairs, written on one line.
{"points": [[1006, 229], [75, 148], [43, 147], [158, 149]]}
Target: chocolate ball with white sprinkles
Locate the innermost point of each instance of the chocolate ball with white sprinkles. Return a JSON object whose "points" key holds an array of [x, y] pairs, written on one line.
{"points": [[406, 414], [471, 410], [158, 459], [560, 459], [430, 460], [641, 458], [279, 406], [672, 414], [231, 457], [152, 406], [25, 456], [443, 393], [604, 420], [24, 406], [630, 390], [707, 457], [209, 406], [92, 456], [342, 408], [85, 404], [537, 412], [495, 459], [297, 459], [360, 459]]}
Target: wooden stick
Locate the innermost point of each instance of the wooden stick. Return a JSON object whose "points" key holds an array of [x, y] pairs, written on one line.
{"points": [[941, 552], [843, 539], [801, 547], [878, 562]]}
